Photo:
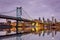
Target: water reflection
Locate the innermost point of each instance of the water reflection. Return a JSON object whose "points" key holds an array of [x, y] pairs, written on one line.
{"points": [[16, 37], [34, 37]]}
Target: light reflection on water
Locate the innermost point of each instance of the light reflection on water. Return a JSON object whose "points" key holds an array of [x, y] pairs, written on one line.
{"points": [[34, 37]]}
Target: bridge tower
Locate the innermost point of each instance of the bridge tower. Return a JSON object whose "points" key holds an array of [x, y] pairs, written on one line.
{"points": [[19, 12], [18, 15]]}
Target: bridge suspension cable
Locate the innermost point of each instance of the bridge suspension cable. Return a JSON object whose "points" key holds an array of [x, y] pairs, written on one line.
{"points": [[7, 12], [24, 13], [27, 14]]}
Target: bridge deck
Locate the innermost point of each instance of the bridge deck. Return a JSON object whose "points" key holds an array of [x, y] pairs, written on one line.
{"points": [[15, 18]]}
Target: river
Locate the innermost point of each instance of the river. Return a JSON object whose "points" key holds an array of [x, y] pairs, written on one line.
{"points": [[33, 37]]}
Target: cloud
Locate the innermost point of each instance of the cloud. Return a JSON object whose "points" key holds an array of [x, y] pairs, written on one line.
{"points": [[35, 8]]}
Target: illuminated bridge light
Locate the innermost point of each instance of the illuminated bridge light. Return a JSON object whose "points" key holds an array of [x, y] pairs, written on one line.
{"points": [[33, 24], [33, 29]]}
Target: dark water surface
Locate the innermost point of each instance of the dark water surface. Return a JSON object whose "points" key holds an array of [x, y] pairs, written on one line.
{"points": [[33, 37]]}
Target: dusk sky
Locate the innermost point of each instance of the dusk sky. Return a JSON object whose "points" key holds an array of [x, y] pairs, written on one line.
{"points": [[35, 8]]}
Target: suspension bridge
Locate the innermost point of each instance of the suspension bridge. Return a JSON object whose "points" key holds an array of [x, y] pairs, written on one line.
{"points": [[25, 24]]}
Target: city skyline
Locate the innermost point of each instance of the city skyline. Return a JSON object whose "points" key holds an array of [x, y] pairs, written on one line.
{"points": [[35, 8]]}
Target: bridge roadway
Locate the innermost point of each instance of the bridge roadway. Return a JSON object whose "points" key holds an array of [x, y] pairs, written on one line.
{"points": [[15, 18]]}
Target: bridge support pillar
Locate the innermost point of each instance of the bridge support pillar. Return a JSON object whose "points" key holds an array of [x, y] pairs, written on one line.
{"points": [[17, 27]]}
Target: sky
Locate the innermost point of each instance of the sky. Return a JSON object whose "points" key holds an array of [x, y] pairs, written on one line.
{"points": [[35, 8]]}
